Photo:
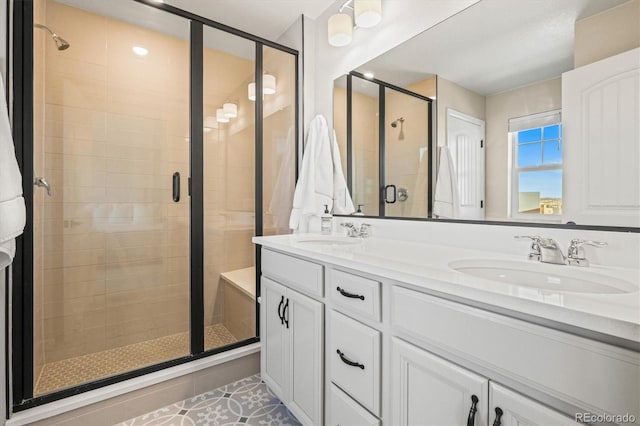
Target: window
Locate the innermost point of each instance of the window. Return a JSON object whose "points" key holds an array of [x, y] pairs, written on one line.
{"points": [[536, 169]]}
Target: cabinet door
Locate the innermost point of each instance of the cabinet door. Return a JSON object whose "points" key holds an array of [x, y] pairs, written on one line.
{"points": [[427, 390], [518, 410], [274, 362], [305, 320], [346, 412]]}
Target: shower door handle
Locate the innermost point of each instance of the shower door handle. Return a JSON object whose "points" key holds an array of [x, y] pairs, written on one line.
{"points": [[42, 182], [176, 187], [390, 190]]}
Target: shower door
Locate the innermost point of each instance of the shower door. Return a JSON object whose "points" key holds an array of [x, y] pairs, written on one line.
{"points": [[407, 160], [154, 145], [111, 207]]}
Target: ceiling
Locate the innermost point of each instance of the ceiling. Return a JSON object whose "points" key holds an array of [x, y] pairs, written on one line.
{"points": [[268, 19], [492, 46], [265, 18]]}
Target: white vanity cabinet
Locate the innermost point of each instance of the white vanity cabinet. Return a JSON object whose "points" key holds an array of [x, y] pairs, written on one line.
{"points": [[397, 355], [513, 409], [428, 390], [292, 331]]}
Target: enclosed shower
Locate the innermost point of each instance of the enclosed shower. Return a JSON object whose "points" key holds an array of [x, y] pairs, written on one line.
{"points": [[385, 134], [151, 173]]}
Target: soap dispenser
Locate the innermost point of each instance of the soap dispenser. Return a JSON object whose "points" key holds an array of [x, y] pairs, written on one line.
{"points": [[359, 212], [325, 224]]}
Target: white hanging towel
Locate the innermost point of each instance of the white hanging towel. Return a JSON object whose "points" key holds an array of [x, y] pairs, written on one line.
{"points": [[315, 182], [342, 202], [12, 208], [446, 201]]}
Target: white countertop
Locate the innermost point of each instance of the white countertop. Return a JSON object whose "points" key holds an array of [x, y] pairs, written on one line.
{"points": [[425, 267]]}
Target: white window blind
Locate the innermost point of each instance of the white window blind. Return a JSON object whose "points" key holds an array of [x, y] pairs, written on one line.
{"points": [[533, 121]]}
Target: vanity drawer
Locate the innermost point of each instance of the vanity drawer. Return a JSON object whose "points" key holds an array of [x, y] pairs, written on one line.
{"points": [[296, 273], [345, 411], [557, 363], [354, 359], [356, 294]]}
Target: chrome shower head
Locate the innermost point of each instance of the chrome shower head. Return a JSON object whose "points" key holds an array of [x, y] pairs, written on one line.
{"points": [[61, 43], [394, 123]]}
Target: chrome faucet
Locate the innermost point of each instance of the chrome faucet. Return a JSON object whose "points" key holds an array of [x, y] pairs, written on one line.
{"points": [[544, 250], [354, 232], [534, 253], [575, 255], [550, 252]]}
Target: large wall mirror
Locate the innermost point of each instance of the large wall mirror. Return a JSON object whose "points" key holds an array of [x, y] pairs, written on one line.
{"points": [[495, 115]]}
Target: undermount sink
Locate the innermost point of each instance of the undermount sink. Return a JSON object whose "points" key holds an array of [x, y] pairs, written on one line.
{"points": [[558, 278], [329, 241]]}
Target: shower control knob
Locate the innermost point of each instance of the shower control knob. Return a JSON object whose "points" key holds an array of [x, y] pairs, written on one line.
{"points": [[403, 194]]}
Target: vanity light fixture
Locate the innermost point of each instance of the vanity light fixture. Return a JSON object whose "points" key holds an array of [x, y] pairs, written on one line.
{"points": [[268, 84], [140, 51], [230, 110], [340, 29], [367, 13], [220, 116], [210, 123], [268, 87]]}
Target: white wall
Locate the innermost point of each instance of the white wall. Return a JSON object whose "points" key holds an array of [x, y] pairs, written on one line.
{"points": [[401, 20]]}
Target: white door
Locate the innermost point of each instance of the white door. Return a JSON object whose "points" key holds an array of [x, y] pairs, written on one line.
{"points": [[508, 408], [305, 321], [465, 138], [601, 134], [274, 354], [427, 390]]}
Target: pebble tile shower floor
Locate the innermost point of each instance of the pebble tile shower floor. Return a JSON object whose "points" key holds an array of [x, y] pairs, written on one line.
{"points": [[86, 368], [246, 402]]}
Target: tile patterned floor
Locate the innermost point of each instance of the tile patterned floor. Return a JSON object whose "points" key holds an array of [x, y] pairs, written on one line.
{"points": [[246, 402], [86, 368]]}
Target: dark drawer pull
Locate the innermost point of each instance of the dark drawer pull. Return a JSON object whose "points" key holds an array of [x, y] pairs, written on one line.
{"points": [[281, 315], [349, 295], [499, 414], [285, 313], [348, 361], [471, 420]]}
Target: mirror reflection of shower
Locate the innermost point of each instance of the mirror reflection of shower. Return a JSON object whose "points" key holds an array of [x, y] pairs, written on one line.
{"points": [[394, 124], [61, 43]]}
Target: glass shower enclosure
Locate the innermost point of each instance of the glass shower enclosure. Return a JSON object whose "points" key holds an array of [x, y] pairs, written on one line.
{"points": [[149, 165]]}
